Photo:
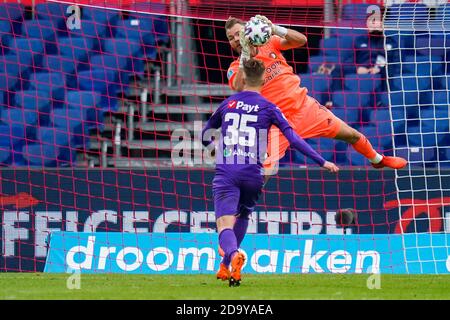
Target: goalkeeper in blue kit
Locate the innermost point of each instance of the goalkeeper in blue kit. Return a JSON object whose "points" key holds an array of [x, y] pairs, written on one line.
{"points": [[244, 119]]}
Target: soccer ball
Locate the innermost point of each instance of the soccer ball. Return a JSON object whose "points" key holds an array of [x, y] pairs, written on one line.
{"points": [[257, 32]]}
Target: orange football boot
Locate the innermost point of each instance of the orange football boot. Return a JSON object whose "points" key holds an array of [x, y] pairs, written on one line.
{"points": [[236, 265], [223, 273], [391, 162]]}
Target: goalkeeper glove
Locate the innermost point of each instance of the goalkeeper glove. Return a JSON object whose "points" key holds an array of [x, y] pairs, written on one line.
{"points": [[277, 30], [245, 49]]}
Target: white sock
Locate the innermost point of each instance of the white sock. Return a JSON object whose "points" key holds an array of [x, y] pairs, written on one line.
{"points": [[377, 159]]}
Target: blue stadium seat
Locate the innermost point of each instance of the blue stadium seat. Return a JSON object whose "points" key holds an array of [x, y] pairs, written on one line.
{"points": [[60, 138], [318, 86], [418, 156], [43, 30], [14, 132], [363, 83], [331, 150], [16, 64], [8, 81], [89, 102], [72, 121], [443, 14], [8, 84], [355, 12], [407, 12], [351, 107], [33, 100], [75, 48], [100, 15], [435, 119], [5, 36], [59, 64], [40, 155], [13, 12], [140, 30], [441, 97], [444, 156], [53, 11], [13, 135], [93, 31], [28, 49], [119, 64], [122, 47], [53, 83], [25, 118], [158, 20], [432, 44], [5, 154], [100, 80], [316, 61], [104, 20], [422, 65]]}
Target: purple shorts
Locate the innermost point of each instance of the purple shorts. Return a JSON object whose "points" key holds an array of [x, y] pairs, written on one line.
{"points": [[235, 195]]}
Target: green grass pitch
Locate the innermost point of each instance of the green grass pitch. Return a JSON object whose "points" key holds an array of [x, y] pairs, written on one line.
{"points": [[45, 286]]}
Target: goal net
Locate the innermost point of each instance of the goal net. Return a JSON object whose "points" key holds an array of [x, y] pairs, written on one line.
{"points": [[102, 103]]}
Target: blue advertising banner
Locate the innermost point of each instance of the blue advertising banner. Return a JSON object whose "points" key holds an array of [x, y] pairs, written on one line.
{"points": [[155, 253], [294, 202]]}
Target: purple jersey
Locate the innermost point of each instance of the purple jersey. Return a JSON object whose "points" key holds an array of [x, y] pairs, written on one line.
{"points": [[245, 119]]}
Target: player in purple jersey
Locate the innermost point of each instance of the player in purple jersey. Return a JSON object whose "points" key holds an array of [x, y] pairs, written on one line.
{"points": [[244, 119]]}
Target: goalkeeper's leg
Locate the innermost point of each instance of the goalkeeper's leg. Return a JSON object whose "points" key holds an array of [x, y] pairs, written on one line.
{"points": [[315, 120], [362, 145]]}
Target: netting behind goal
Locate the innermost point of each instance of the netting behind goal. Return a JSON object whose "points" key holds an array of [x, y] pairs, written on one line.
{"points": [[101, 104]]}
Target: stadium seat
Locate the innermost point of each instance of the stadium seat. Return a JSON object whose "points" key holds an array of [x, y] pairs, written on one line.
{"points": [[25, 118], [93, 31], [72, 121], [59, 64], [100, 15], [100, 80], [13, 135], [5, 153], [351, 106], [355, 12], [363, 83], [40, 155], [16, 65], [432, 44], [13, 12], [161, 25], [28, 49], [118, 64], [316, 61], [8, 81], [122, 47], [53, 11], [422, 65], [8, 84], [318, 86], [60, 138], [331, 150], [405, 13], [75, 48], [53, 83], [418, 156], [441, 97], [5, 36], [104, 20], [444, 155], [34, 100], [43, 30], [89, 102], [443, 14]]}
